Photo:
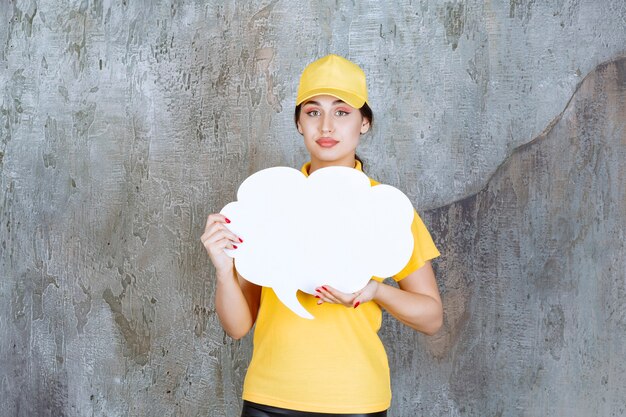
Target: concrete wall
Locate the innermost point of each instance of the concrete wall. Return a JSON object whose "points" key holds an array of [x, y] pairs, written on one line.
{"points": [[123, 124]]}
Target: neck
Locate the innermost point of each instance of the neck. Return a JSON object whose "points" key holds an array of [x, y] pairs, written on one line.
{"points": [[316, 164]]}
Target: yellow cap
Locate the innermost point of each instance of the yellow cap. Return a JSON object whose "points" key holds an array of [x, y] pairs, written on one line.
{"points": [[335, 76]]}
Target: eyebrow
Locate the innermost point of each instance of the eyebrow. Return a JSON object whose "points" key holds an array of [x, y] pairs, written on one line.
{"points": [[318, 104]]}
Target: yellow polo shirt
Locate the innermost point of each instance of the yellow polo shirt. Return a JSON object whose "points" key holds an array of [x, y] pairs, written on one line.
{"points": [[335, 363]]}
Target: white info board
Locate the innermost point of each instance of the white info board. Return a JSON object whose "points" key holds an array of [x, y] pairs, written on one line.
{"points": [[330, 228]]}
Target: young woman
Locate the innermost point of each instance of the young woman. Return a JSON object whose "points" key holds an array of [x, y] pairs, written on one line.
{"points": [[336, 363]]}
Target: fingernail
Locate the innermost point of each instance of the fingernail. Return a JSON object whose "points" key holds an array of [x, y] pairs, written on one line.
{"points": [[227, 221], [240, 240], [234, 247], [317, 289], [357, 304], [325, 289], [317, 296]]}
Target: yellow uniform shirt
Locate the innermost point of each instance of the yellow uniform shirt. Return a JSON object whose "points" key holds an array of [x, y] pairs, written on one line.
{"points": [[334, 363]]}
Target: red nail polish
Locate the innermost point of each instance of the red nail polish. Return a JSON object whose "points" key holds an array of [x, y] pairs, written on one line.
{"points": [[317, 296], [325, 289], [234, 247], [227, 221], [240, 240], [317, 289], [357, 304]]}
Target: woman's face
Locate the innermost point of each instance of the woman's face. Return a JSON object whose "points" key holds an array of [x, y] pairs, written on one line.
{"points": [[331, 130]]}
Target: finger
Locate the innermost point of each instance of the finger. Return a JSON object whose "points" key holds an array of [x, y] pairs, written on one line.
{"points": [[215, 218], [222, 226], [366, 294], [218, 232], [217, 247], [322, 298], [220, 245], [331, 295], [230, 245], [211, 228], [321, 295], [324, 293], [215, 237]]}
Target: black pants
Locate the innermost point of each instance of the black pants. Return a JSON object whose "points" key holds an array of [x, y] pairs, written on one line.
{"points": [[260, 410]]}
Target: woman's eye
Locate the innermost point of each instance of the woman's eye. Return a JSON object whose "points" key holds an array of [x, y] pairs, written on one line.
{"points": [[342, 113], [313, 113]]}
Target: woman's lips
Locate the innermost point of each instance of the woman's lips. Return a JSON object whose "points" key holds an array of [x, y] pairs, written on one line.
{"points": [[326, 142]]}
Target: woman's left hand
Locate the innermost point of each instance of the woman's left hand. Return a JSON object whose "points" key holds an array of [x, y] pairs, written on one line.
{"points": [[328, 294]]}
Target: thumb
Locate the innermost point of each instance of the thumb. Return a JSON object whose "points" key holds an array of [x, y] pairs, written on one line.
{"points": [[366, 294]]}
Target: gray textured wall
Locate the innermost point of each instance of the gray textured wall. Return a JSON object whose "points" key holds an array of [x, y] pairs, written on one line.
{"points": [[123, 124]]}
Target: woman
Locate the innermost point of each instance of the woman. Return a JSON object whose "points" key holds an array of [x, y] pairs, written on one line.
{"points": [[336, 363]]}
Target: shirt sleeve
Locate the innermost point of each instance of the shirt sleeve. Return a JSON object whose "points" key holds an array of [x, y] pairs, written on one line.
{"points": [[424, 248]]}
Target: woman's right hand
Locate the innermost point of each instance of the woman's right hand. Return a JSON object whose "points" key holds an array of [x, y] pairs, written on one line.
{"points": [[215, 239], [236, 300]]}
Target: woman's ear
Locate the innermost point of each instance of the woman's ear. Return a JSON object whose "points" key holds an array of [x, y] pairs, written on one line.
{"points": [[365, 126], [299, 128]]}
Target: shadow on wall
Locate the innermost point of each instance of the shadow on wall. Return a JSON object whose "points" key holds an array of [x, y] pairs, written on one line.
{"points": [[532, 272]]}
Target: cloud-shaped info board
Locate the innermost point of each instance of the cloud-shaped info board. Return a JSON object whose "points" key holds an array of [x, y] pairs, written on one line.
{"points": [[331, 227]]}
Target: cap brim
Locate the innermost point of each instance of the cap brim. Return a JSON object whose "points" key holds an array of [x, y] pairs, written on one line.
{"points": [[351, 99]]}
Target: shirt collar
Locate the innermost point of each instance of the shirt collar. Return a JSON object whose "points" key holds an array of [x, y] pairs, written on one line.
{"points": [[306, 167]]}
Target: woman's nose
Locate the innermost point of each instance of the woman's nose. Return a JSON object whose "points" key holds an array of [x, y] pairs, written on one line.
{"points": [[327, 124]]}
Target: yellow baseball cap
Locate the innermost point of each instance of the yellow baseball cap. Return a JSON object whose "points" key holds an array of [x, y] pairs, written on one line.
{"points": [[335, 76]]}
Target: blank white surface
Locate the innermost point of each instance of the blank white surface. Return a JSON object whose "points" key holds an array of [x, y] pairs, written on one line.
{"points": [[331, 228]]}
